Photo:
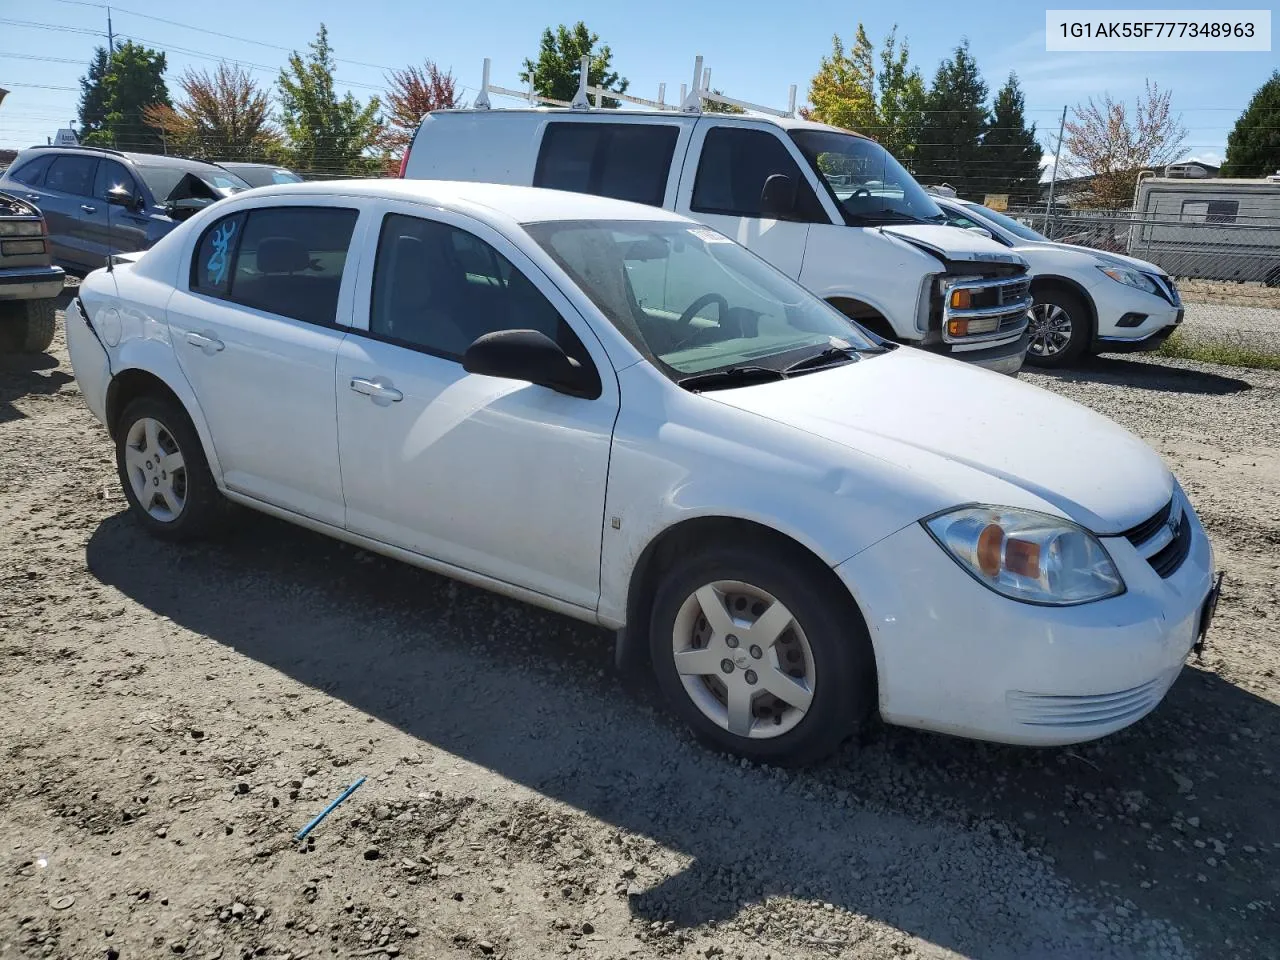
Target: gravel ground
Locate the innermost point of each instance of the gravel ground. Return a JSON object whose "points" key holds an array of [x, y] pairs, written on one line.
{"points": [[1257, 328], [174, 714]]}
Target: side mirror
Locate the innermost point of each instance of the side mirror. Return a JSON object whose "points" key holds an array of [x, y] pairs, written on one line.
{"points": [[119, 196], [983, 231], [532, 356], [778, 196]]}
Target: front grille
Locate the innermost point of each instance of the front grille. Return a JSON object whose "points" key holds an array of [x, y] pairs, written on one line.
{"points": [[1167, 560], [1088, 710], [1150, 527], [1015, 292]]}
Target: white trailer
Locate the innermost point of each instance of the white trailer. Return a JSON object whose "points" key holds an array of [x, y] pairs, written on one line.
{"points": [[1212, 229]]}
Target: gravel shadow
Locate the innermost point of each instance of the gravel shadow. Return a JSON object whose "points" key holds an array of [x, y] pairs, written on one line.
{"points": [[22, 374], [1147, 374], [910, 828]]}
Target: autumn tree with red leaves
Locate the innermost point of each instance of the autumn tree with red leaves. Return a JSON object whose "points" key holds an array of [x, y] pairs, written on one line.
{"points": [[221, 116], [411, 94]]}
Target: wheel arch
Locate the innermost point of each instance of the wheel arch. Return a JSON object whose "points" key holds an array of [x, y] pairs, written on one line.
{"points": [[133, 382], [632, 648], [866, 314], [1052, 280]]}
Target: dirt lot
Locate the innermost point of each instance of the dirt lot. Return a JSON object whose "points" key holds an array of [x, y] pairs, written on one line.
{"points": [[171, 716]]}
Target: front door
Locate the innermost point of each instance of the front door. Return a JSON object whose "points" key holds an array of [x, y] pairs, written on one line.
{"points": [[724, 178], [256, 332], [499, 477], [120, 229]]}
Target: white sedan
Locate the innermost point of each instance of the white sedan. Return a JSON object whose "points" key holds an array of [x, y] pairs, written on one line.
{"points": [[619, 414]]}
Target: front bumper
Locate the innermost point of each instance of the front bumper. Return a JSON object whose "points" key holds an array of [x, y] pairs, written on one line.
{"points": [[1003, 358], [1142, 344], [1114, 302], [30, 283], [954, 657]]}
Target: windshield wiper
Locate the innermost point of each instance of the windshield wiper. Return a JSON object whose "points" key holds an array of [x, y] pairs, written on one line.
{"points": [[828, 356], [730, 377]]}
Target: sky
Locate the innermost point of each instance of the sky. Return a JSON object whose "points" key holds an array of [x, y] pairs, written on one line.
{"points": [[755, 50]]}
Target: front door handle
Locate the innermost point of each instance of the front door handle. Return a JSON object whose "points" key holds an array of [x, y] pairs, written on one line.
{"points": [[88, 209], [380, 392], [33, 196], [209, 345]]}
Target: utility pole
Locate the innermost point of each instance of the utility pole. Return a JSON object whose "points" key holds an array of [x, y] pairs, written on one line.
{"points": [[1053, 182], [111, 36]]}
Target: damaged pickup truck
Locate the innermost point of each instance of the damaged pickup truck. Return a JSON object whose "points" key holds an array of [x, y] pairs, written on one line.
{"points": [[29, 282]]}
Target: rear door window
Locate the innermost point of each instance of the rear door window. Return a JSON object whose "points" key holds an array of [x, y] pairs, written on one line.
{"points": [[32, 172], [625, 161], [71, 175]]}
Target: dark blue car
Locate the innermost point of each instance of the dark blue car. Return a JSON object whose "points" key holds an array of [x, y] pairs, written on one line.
{"points": [[96, 200]]}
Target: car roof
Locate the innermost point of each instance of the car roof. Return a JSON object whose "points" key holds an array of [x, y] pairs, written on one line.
{"points": [[138, 159], [504, 203], [659, 116]]}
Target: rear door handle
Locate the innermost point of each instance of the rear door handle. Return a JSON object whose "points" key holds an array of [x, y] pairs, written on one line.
{"points": [[380, 392], [88, 209], [209, 345]]}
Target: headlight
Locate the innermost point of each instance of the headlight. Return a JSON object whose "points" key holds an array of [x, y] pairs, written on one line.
{"points": [[1027, 556], [1131, 278]]}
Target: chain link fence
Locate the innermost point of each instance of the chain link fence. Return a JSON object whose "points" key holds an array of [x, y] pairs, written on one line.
{"points": [[1228, 272]]}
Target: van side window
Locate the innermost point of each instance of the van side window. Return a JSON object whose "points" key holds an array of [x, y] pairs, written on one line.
{"points": [[625, 161], [735, 164]]}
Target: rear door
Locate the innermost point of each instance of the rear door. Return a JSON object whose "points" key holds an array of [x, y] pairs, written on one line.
{"points": [[70, 210], [724, 176], [256, 328]]}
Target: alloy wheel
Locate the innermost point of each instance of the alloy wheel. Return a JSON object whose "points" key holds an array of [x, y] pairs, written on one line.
{"points": [[156, 470], [1050, 329], [743, 659]]}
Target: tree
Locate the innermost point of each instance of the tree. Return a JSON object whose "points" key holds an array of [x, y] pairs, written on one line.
{"points": [[1102, 142], [412, 93], [133, 80], [902, 99], [842, 92], [93, 93], [950, 145], [555, 73], [223, 116], [1253, 146], [325, 134], [711, 106], [1011, 153]]}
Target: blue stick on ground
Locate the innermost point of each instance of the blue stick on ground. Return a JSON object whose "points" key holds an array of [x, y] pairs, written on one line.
{"points": [[327, 810]]}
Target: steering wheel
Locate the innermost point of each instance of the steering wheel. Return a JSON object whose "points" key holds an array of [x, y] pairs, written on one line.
{"points": [[691, 311], [860, 193]]}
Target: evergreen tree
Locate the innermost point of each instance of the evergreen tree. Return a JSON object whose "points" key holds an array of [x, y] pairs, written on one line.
{"points": [[950, 147], [93, 93], [555, 73], [1253, 146], [133, 80], [902, 99], [326, 134], [1011, 154]]}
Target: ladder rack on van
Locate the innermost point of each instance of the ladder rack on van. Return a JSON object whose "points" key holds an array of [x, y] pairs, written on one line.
{"points": [[690, 100]]}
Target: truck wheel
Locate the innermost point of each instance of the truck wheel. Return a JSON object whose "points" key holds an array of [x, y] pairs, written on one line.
{"points": [[27, 326], [163, 470], [760, 655], [1059, 327]]}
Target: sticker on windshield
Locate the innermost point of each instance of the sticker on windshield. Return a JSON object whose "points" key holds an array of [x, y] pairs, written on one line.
{"points": [[709, 236]]}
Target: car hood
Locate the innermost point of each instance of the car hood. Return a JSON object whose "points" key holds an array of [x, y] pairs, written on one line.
{"points": [[970, 435], [951, 244], [1100, 257]]}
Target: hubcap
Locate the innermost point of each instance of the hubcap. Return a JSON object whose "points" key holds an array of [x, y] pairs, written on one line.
{"points": [[743, 659], [1050, 329], [157, 473]]}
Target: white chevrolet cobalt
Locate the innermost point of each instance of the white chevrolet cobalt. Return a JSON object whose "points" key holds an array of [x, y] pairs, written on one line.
{"points": [[617, 413]]}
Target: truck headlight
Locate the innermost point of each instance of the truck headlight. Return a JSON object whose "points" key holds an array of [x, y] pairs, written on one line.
{"points": [[1131, 278], [1028, 556]]}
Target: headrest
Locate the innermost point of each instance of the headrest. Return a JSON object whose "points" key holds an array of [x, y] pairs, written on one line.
{"points": [[282, 255]]}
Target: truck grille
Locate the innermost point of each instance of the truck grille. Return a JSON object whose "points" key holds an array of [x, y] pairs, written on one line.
{"points": [[997, 308]]}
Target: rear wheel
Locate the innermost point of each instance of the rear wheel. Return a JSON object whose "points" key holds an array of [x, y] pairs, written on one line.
{"points": [[762, 656], [27, 326], [163, 470], [1059, 330]]}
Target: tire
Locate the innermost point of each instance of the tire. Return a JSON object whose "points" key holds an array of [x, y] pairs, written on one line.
{"points": [[27, 326], [824, 639], [184, 502], [1053, 306]]}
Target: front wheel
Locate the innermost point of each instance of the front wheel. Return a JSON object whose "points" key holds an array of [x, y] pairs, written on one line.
{"points": [[27, 326], [762, 656], [163, 470], [1059, 328]]}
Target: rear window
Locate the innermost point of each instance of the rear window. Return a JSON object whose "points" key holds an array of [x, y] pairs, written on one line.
{"points": [[625, 161]]}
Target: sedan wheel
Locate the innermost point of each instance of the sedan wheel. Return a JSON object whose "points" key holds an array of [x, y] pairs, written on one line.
{"points": [[1050, 330], [1059, 329], [157, 470], [762, 651], [743, 659]]}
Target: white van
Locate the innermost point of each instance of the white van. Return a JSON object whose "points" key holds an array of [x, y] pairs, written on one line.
{"points": [[829, 208]]}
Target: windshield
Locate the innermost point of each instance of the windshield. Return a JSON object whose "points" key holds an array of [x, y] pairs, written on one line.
{"points": [[692, 300], [1008, 223], [868, 183], [162, 180]]}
